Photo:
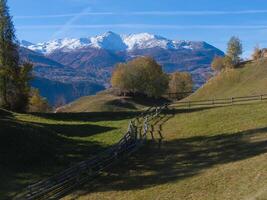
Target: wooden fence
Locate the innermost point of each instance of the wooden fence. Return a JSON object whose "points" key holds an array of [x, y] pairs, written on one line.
{"points": [[177, 96], [220, 102], [61, 184]]}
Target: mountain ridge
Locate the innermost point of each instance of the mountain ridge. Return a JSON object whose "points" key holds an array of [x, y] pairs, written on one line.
{"points": [[112, 41]]}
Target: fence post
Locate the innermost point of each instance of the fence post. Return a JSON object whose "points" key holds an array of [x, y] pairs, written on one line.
{"points": [[189, 104], [145, 127], [261, 98], [156, 112], [152, 132], [232, 100]]}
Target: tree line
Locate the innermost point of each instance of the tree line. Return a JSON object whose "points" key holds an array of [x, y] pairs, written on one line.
{"points": [[232, 59], [145, 76], [16, 93]]}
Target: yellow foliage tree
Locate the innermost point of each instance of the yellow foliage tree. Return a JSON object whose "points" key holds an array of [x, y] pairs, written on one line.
{"points": [[141, 75], [218, 64], [257, 54], [180, 82], [38, 103]]}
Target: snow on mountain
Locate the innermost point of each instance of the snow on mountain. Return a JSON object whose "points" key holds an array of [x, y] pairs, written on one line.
{"points": [[66, 44], [111, 41], [145, 40]]}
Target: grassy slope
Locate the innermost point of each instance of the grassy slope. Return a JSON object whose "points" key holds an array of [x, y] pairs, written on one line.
{"points": [[107, 102], [207, 154], [36, 146], [251, 79], [213, 153]]}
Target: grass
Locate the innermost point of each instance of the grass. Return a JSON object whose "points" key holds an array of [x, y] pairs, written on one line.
{"points": [[33, 147], [108, 102], [207, 154], [249, 79]]}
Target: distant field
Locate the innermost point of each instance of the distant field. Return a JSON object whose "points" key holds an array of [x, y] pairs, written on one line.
{"points": [[207, 154], [33, 147], [249, 79]]}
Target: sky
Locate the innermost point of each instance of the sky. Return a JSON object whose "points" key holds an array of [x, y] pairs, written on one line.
{"points": [[198, 20]]}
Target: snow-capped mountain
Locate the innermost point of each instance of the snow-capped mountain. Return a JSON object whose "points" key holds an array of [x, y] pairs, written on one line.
{"points": [[88, 62], [110, 41]]}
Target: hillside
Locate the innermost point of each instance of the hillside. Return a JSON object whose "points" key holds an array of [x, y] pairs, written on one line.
{"points": [[106, 101], [248, 79], [206, 154], [33, 147]]}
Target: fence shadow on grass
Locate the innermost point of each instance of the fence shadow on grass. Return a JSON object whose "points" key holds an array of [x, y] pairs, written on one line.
{"points": [[31, 151], [179, 159]]}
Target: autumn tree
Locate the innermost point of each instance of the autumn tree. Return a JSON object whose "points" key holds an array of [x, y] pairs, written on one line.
{"points": [[141, 75], [234, 49], [180, 82], [37, 103], [257, 54], [218, 64], [118, 78]]}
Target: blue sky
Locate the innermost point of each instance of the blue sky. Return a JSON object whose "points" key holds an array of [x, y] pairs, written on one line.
{"points": [[203, 20]]}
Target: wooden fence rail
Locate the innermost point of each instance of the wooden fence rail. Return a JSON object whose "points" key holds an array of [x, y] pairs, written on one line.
{"points": [[220, 102], [59, 185]]}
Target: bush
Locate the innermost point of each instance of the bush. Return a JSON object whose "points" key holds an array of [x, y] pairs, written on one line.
{"points": [[220, 63], [257, 54]]}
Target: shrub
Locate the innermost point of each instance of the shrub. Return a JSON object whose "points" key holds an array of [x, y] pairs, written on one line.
{"points": [[257, 54]]}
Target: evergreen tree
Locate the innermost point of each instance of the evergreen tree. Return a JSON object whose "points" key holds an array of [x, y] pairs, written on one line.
{"points": [[14, 79]]}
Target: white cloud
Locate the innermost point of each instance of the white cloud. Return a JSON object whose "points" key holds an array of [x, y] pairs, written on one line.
{"points": [[69, 25], [152, 13]]}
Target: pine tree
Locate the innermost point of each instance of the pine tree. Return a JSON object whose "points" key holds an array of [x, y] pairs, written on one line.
{"points": [[9, 59], [14, 86]]}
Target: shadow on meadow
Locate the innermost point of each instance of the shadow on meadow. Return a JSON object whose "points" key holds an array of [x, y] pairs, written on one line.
{"points": [[32, 151], [88, 117], [179, 159], [77, 130]]}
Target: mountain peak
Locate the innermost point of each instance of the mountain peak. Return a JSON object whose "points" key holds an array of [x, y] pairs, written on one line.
{"points": [[109, 41], [112, 41]]}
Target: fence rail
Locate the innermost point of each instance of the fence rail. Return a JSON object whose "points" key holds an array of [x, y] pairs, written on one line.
{"points": [[220, 102], [59, 185]]}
